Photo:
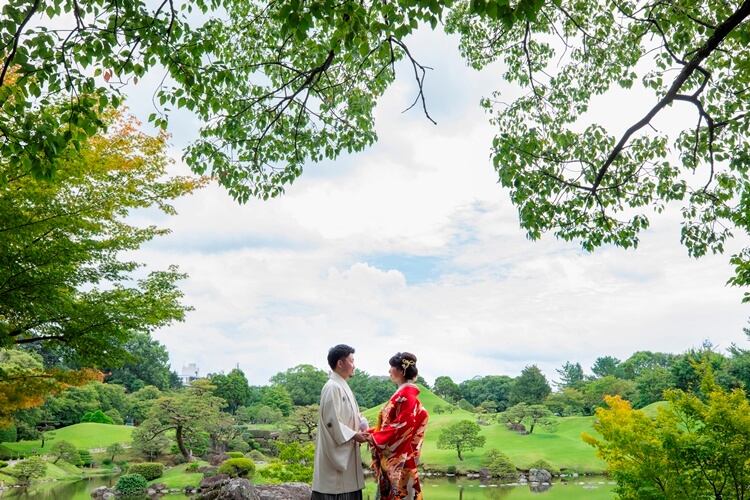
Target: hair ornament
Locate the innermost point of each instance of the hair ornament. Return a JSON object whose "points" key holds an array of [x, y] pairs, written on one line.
{"points": [[406, 363]]}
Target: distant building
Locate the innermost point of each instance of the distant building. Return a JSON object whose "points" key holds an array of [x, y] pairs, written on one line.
{"points": [[189, 373]]}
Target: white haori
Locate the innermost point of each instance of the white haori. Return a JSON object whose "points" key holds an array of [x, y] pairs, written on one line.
{"points": [[338, 463]]}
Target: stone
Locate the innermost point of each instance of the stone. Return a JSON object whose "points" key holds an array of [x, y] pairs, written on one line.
{"points": [[218, 458], [287, 491], [539, 476], [222, 487]]}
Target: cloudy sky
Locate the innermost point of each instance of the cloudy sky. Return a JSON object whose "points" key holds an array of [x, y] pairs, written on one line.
{"points": [[412, 245]]}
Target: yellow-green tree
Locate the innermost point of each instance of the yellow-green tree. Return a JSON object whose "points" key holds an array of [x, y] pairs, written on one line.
{"points": [[64, 286], [25, 383], [698, 446]]}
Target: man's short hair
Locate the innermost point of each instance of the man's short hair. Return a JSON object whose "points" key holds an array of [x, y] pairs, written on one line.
{"points": [[341, 351]]}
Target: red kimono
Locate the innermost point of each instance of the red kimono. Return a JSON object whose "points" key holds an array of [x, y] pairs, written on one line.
{"points": [[398, 438]]}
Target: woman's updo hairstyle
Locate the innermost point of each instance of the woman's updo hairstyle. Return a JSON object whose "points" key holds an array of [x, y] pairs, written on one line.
{"points": [[407, 363]]}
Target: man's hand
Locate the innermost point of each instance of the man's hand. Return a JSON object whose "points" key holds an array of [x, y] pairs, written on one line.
{"points": [[361, 437]]}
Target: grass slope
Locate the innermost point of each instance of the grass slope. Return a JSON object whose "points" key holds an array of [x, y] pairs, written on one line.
{"points": [[85, 436], [61, 471], [562, 449]]}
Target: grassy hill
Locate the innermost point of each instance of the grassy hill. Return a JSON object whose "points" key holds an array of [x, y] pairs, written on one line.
{"points": [[650, 410], [563, 449], [85, 436]]}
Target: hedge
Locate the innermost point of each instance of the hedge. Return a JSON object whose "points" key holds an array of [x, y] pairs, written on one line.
{"points": [[238, 467], [149, 470]]}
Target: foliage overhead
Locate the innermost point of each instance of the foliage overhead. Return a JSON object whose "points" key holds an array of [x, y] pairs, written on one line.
{"points": [[278, 85]]}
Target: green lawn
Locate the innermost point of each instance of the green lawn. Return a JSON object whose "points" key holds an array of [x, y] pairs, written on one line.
{"points": [[562, 449], [85, 436], [176, 477]]}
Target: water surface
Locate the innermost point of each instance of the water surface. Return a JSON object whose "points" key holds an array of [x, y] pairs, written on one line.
{"points": [[434, 488]]}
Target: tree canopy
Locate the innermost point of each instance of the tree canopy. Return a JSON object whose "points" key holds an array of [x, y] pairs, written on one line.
{"points": [[461, 436], [146, 363], [278, 85]]}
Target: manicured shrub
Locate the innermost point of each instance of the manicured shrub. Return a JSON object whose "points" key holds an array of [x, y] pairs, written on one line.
{"points": [[5, 453], [193, 467], [259, 433], [85, 458], [9, 434], [3, 464], [107, 461], [131, 484], [498, 464], [235, 454], [257, 456], [238, 445], [149, 470], [238, 467], [543, 464]]}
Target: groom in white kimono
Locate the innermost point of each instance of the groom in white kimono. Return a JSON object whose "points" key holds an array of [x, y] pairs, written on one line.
{"points": [[338, 465]]}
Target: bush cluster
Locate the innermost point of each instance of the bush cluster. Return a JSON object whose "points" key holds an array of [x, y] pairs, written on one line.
{"points": [[98, 417], [257, 456], [238, 467], [259, 433], [235, 454], [131, 484], [543, 464], [498, 464], [149, 470]]}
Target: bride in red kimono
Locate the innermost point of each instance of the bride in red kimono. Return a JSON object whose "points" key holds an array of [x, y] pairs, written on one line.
{"points": [[396, 440]]}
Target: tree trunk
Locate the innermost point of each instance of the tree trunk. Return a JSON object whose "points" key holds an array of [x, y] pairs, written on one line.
{"points": [[181, 444]]}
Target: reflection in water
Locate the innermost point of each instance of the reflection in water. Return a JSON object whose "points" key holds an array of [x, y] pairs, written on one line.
{"points": [[435, 488], [442, 488], [60, 490], [539, 487]]}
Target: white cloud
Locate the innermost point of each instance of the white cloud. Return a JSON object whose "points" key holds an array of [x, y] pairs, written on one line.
{"points": [[276, 283]]}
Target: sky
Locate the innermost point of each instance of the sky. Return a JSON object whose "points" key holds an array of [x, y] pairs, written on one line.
{"points": [[412, 245]]}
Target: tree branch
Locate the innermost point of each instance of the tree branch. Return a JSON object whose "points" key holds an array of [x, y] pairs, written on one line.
{"points": [[693, 65]]}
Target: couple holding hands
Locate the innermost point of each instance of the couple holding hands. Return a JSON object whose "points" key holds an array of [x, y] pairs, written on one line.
{"points": [[395, 441]]}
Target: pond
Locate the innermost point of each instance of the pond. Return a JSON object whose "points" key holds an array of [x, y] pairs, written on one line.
{"points": [[584, 488], [60, 490]]}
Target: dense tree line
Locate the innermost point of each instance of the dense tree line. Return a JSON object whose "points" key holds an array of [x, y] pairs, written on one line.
{"points": [[225, 413], [129, 392]]}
